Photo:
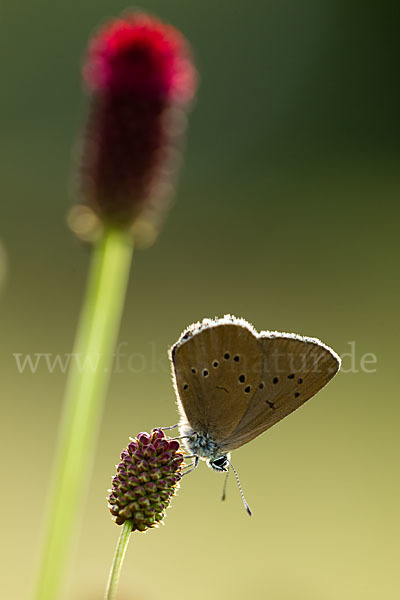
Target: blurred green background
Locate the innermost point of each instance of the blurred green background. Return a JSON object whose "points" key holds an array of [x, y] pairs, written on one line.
{"points": [[286, 214]]}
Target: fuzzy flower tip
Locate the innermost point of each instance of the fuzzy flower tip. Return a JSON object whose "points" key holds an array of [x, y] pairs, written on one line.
{"points": [[139, 55], [137, 69], [147, 477]]}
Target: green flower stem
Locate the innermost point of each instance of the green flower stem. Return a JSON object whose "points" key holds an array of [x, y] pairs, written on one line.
{"points": [[87, 382], [119, 555]]}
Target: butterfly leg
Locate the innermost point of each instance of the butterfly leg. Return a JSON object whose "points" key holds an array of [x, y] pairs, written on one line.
{"points": [[192, 466], [167, 428]]}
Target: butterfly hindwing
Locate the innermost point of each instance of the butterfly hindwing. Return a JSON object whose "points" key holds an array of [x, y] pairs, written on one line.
{"points": [[294, 370]]}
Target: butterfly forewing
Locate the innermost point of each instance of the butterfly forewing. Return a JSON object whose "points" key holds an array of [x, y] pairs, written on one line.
{"points": [[294, 370], [217, 369]]}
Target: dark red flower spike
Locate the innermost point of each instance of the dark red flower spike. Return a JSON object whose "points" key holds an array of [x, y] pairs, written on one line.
{"points": [[147, 478], [138, 69]]}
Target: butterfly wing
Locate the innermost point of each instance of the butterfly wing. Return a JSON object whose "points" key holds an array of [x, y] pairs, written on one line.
{"points": [[294, 369], [217, 366]]}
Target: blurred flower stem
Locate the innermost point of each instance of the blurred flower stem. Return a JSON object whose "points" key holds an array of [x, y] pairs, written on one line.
{"points": [[84, 398], [116, 566]]}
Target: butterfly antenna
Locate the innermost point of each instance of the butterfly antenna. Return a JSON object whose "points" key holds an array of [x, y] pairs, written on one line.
{"points": [[247, 507], [224, 488]]}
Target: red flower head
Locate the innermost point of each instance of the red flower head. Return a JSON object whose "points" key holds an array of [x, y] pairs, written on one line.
{"points": [[143, 57], [137, 69], [147, 478]]}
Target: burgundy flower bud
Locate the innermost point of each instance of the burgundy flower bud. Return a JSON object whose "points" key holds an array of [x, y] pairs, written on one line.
{"points": [[158, 437], [144, 477], [155, 474], [143, 487], [165, 458], [149, 451], [142, 465], [174, 445], [150, 487], [132, 446], [140, 72], [160, 444]]}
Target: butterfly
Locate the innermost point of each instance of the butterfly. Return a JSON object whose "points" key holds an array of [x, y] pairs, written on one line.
{"points": [[233, 383]]}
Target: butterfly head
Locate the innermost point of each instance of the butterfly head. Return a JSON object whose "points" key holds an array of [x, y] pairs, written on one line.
{"points": [[219, 464]]}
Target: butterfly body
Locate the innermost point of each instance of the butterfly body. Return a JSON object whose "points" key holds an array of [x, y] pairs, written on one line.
{"points": [[233, 383], [204, 446]]}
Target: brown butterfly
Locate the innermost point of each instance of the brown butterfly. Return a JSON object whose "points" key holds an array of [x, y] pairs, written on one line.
{"points": [[233, 383]]}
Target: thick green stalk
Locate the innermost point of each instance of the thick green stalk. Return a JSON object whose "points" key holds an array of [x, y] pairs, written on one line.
{"points": [[87, 382], [116, 566]]}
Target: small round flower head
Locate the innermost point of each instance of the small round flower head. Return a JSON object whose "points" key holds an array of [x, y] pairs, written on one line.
{"points": [[147, 477], [141, 76]]}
